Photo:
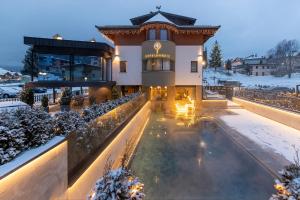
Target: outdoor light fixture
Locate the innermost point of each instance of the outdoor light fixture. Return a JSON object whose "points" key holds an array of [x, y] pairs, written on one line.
{"points": [[57, 37], [85, 78], [93, 40]]}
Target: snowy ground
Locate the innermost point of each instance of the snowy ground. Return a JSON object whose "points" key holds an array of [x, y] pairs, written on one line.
{"points": [[213, 76], [265, 132], [11, 105]]}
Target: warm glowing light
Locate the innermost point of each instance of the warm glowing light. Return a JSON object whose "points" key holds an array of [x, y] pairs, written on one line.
{"points": [[166, 87], [162, 119], [281, 189], [180, 124], [186, 108]]}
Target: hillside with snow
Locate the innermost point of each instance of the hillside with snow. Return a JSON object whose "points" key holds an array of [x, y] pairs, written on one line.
{"points": [[4, 71], [211, 77]]}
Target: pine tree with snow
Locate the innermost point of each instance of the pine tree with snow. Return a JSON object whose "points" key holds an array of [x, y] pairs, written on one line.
{"points": [[215, 56]]}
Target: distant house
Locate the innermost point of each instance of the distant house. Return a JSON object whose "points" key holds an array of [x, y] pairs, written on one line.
{"points": [[254, 66]]}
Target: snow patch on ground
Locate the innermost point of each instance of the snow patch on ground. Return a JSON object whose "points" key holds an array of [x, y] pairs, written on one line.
{"points": [[11, 105], [213, 76], [28, 155], [265, 132]]}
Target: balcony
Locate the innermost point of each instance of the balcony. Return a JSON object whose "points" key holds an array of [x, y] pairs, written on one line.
{"points": [[158, 78]]}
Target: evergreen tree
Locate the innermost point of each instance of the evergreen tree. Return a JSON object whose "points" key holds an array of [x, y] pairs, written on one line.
{"points": [[215, 56], [30, 67]]}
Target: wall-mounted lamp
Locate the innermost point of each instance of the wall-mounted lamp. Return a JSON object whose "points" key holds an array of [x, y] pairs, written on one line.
{"points": [[57, 37], [93, 40]]}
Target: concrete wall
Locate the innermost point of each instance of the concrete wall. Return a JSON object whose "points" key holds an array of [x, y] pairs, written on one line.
{"points": [[82, 187], [133, 74], [100, 94], [43, 178], [214, 104], [281, 116], [184, 56]]}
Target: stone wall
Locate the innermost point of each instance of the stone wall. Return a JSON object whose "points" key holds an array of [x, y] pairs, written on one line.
{"points": [[285, 117], [45, 177]]}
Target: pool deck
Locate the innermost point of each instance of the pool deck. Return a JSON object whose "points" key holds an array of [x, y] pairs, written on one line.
{"points": [[269, 142]]}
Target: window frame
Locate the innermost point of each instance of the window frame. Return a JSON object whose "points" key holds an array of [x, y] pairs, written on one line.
{"points": [[160, 34], [154, 31], [193, 61], [120, 66]]}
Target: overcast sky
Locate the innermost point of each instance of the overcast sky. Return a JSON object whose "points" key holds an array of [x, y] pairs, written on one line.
{"points": [[248, 26]]}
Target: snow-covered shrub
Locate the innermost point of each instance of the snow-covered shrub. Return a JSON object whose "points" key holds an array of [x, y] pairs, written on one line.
{"points": [[37, 125], [118, 184], [288, 186], [97, 110], [67, 122], [22, 129], [12, 142]]}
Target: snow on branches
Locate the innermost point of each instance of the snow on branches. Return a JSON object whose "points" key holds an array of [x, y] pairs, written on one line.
{"points": [[23, 129], [118, 184], [288, 186]]}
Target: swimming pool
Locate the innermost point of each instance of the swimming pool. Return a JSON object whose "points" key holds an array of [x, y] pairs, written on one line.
{"points": [[193, 158]]}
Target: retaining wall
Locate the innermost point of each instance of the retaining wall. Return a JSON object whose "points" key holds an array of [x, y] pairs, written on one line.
{"points": [[45, 176], [285, 117]]}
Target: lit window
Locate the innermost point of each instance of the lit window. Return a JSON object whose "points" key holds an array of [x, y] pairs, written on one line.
{"points": [[123, 66], [194, 66], [163, 34], [152, 34]]}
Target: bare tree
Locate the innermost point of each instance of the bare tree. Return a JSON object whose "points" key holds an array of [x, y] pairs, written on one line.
{"points": [[283, 54]]}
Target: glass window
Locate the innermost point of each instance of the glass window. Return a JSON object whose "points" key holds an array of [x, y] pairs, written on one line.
{"points": [[152, 34], [164, 34], [194, 66], [166, 65], [123, 66]]}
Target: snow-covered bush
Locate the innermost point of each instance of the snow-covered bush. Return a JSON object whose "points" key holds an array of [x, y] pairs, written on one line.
{"points": [[118, 184], [288, 186], [37, 125], [31, 127], [97, 110], [22, 129], [67, 122]]}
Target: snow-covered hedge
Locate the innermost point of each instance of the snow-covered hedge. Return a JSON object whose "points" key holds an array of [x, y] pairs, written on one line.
{"points": [[23, 129], [97, 110], [27, 128]]}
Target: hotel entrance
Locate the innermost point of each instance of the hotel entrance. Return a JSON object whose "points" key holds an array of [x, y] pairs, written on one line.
{"points": [[159, 93]]}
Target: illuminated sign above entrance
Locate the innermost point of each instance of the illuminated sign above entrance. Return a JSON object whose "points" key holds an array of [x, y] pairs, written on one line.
{"points": [[158, 49], [157, 46]]}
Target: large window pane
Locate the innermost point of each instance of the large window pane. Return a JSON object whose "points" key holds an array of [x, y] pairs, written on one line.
{"points": [[152, 34], [163, 34]]}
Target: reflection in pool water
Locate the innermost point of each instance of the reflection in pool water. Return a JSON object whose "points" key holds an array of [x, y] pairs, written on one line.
{"points": [[180, 158]]}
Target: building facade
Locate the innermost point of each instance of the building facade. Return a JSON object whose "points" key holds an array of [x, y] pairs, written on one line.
{"points": [[163, 56]]}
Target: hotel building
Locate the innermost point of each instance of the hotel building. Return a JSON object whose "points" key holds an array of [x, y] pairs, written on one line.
{"points": [[159, 53], [162, 53]]}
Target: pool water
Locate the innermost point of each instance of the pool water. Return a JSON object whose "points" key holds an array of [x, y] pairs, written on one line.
{"points": [[180, 158]]}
